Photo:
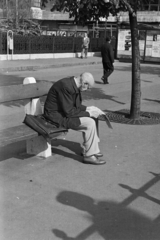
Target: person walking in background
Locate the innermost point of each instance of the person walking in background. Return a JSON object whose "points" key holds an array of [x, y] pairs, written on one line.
{"points": [[85, 45], [107, 60]]}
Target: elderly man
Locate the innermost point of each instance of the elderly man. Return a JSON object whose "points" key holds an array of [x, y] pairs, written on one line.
{"points": [[63, 107]]}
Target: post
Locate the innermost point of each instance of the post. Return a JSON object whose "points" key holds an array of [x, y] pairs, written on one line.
{"points": [[144, 55], [7, 10]]}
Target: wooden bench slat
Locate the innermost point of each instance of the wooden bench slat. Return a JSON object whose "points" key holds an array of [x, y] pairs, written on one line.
{"points": [[19, 92], [15, 134], [22, 132]]}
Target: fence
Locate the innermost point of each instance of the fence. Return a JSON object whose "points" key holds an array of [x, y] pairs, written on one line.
{"points": [[47, 44]]}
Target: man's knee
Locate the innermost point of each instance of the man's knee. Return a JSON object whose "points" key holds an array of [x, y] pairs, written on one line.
{"points": [[91, 123]]}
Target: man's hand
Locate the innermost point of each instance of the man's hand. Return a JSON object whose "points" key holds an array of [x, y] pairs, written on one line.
{"points": [[93, 113], [93, 108]]}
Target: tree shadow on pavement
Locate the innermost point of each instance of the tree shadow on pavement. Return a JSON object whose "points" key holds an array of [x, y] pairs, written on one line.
{"points": [[18, 150], [152, 100], [13, 150], [94, 93], [68, 145], [153, 70], [6, 80], [98, 94], [111, 220]]}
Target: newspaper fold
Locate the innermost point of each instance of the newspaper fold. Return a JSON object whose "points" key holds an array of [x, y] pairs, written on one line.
{"points": [[104, 117]]}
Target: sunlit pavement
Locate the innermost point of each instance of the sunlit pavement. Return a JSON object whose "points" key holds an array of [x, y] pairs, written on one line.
{"points": [[61, 198]]}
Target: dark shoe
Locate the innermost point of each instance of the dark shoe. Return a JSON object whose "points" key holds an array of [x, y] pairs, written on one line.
{"points": [[106, 82], [97, 155], [93, 160]]}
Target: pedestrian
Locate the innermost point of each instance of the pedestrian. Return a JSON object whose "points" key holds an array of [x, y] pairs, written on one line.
{"points": [[63, 107], [85, 45], [107, 60]]}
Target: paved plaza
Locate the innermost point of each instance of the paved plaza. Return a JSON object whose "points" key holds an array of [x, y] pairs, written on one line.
{"points": [[61, 198]]}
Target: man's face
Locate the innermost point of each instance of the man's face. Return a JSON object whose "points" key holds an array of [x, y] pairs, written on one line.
{"points": [[84, 87]]}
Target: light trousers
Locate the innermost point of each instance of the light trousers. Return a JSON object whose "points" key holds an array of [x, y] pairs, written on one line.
{"points": [[84, 52], [91, 140]]}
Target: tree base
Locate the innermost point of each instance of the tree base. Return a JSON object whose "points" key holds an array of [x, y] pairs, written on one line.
{"points": [[123, 116]]}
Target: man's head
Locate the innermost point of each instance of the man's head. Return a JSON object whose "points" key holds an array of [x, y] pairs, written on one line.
{"points": [[85, 81]]}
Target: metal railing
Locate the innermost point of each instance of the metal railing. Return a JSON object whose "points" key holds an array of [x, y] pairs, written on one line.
{"points": [[151, 7], [47, 44]]}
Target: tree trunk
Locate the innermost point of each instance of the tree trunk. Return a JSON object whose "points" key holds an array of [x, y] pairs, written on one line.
{"points": [[136, 82]]}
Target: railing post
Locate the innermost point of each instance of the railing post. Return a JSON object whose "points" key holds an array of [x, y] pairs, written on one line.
{"points": [[29, 45], [73, 42], [145, 46], [0, 42], [53, 42]]}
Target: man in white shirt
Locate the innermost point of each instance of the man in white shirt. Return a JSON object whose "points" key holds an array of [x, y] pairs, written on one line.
{"points": [[85, 46]]}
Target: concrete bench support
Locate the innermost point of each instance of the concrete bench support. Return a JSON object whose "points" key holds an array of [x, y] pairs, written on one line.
{"points": [[38, 146]]}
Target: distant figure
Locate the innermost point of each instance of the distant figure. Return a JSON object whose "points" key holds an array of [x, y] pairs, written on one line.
{"points": [[85, 45], [107, 60]]}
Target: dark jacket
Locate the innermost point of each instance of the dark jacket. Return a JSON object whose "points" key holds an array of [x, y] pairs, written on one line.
{"points": [[63, 104], [107, 53]]}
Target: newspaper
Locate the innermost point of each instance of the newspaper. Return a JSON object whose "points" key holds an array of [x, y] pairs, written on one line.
{"points": [[102, 116]]}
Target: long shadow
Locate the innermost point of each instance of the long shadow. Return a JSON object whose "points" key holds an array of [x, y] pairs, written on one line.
{"points": [[111, 220], [94, 93], [9, 80], [152, 100], [18, 150], [13, 150], [141, 192], [144, 69], [6, 80], [71, 146], [146, 81], [97, 94]]}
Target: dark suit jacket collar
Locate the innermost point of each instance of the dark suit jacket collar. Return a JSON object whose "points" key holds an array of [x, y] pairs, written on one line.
{"points": [[74, 85]]}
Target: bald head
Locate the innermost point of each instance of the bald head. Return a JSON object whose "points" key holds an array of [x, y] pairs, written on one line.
{"points": [[87, 78]]}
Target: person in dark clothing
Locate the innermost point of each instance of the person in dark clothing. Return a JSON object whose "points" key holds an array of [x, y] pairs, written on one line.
{"points": [[107, 60], [63, 107]]}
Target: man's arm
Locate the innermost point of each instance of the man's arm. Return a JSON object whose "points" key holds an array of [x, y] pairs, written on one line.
{"points": [[111, 53], [67, 105]]}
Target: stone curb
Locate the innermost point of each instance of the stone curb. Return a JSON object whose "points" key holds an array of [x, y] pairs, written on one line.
{"points": [[32, 68]]}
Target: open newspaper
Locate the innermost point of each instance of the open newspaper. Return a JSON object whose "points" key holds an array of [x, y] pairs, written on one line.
{"points": [[103, 117]]}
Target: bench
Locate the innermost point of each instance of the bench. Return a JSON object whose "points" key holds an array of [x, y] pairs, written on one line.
{"points": [[30, 91]]}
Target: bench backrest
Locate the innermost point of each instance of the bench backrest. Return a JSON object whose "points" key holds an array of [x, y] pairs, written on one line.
{"points": [[21, 92]]}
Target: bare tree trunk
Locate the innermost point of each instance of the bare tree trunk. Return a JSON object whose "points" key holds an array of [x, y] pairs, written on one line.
{"points": [[16, 12], [136, 82]]}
